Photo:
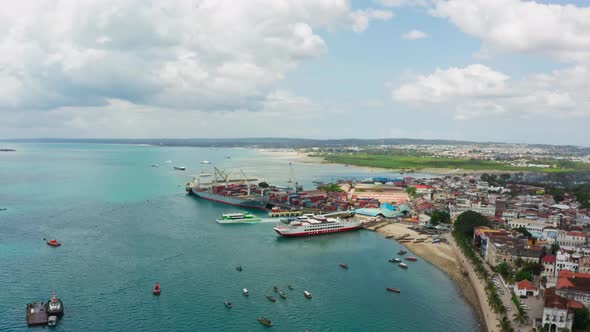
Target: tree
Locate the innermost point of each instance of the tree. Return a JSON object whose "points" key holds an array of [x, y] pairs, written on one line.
{"points": [[439, 216], [524, 274], [504, 269], [581, 319], [520, 316], [504, 324], [468, 220], [331, 187], [519, 262], [554, 248], [523, 231], [263, 184], [411, 191], [534, 268]]}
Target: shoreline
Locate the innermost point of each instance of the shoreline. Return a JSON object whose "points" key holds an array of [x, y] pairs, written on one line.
{"points": [[303, 157], [447, 258]]}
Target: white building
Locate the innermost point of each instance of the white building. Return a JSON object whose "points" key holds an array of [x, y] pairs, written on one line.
{"points": [[509, 215], [571, 239], [525, 288], [557, 312], [486, 210], [566, 261], [529, 225]]}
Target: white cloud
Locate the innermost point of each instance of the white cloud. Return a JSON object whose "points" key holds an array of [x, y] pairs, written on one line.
{"points": [[558, 31], [404, 3], [199, 55], [414, 34]]}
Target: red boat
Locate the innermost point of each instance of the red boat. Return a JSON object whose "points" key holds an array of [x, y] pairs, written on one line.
{"points": [[157, 289], [395, 290], [54, 243], [412, 259]]}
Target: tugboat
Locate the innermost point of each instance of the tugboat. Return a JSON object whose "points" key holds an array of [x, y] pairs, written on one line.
{"points": [[282, 295], [344, 266], [271, 299], [275, 289], [411, 259], [403, 266], [307, 294], [157, 289], [245, 291], [54, 243], [402, 252], [264, 321], [54, 306], [239, 268], [394, 290], [290, 287], [228, 304]]}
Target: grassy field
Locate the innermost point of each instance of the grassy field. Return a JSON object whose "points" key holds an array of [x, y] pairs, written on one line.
{"points": [[420, 162]]}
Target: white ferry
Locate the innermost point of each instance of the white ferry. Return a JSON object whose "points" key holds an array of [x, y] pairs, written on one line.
{"points": [[309, 224]]}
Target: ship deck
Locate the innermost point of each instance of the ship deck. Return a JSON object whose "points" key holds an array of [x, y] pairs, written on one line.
{"points": [[36, 314]]}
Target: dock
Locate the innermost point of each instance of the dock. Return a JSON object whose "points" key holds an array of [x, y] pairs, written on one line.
{"points": [[36, 314]]}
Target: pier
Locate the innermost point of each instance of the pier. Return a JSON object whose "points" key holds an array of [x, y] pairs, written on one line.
{"points": [[36, 314]]}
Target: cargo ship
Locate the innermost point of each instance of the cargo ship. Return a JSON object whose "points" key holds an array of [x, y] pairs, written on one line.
{"points": [[221, 189], [313, 225]]}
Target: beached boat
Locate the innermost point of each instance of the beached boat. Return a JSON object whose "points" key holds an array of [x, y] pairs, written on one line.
{"points": [[402, 252], [157, 289], [403, 266], [282, 295], [264, 321], [228, 304], [271, 299], [389, 236], [54, 306], [307, 294], [239, 268], [344, 266], [411, 259], [245, 291], [394, 290], [54, 243], [290, 287]]}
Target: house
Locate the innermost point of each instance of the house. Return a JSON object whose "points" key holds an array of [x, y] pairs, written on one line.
{"points": [[584, 264], [525, 288], [571, 239], [548, 266], [574, 286], [558, 311], [566, 261]]}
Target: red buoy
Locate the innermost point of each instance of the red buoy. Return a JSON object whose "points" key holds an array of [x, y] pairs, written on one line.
{"points": [[157, 289]]}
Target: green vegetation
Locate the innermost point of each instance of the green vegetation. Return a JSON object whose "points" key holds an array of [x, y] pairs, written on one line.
{"points": [[581, 319], [520, 315], [331, 187], [504, 270], [411, 191], [263, 184], [416, 162], [524, 274], [554, 248], [468, 220], [523, 231], [439, 217]]}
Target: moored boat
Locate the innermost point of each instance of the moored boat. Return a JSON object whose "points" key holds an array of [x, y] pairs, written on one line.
{"points": [[403, 266], [389, 236], [344, 266], [264, 321], [307, 294], [290, 287], [245, 291], [282, 295], [239, 268], [155, 165], [394, 290], [411, 259], [54, 306], [157, 289], [315, 225], [180, 168], [402, 252], [271, 299], [54, 243], [228, 304], [275, 289]]}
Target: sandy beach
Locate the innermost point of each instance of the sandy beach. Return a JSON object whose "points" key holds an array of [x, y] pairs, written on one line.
{"points": [[449, 259]]}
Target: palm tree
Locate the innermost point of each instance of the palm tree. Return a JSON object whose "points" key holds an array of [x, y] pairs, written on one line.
{"points": [[520, 317], [504, 325]]}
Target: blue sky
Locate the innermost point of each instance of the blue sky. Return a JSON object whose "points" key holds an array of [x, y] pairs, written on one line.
{"points": [[502, 70]]}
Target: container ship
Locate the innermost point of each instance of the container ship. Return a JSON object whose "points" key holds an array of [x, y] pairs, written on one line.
{"points": [[220, 188], [314, 225]]}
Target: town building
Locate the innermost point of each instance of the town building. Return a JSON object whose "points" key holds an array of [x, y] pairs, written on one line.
{"points": [[558, 314], [548, 266], [566, 261], [525, 288], [571, 239], [486, 210], [574, 286]]}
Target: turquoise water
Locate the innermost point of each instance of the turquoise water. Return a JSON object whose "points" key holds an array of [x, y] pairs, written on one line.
{"points": [[125, 225]]}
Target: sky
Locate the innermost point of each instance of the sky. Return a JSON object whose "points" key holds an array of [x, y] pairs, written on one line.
{"points": [[502, 70]]}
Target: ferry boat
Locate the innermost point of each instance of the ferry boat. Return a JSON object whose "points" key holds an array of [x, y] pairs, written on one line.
{"points": [[55, 307], [221, 189], [313, 225], [238, 218]]}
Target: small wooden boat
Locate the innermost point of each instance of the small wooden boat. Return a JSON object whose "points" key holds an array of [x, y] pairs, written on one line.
{"points": [[411, 259], [389, 236], [245, 291], [157, 289], [275, 289], [307, 294], [344, 266], [54, 243], [271, 299], [228, 304], [239, 268], [402, 252], [282, 295], [394, 290], [403, 266], [397, 260], [264, 321], [290, 287], [180, 168], [391, 260]]}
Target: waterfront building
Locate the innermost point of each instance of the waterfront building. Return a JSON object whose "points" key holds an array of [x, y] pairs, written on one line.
{"points": [[574, 286], [558, 314]]}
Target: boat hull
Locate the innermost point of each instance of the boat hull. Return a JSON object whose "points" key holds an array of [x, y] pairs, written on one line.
{"points": [[234, 201], [287, 233]]}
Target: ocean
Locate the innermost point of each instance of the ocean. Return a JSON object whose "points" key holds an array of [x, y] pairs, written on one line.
{"points": [[125, 225]]}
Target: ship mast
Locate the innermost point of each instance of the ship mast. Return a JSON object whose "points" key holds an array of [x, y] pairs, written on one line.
{"points": [[245, 181]]}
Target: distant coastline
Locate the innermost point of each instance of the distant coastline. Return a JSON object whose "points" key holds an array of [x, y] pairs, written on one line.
{"points": [[7, 150]]}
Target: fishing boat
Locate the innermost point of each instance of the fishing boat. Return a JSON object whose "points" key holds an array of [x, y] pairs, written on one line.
{"points": [[307, 294], [282, 295], [180, 168], [228, 304], [157, 289], [54, 243], [239, 268], [394, 290], [245, 291], [238, 218], [271, 299], [275, 289], [155, 165], [402, 252], [54, 306], [395, 260], [205, 162], [411, 259], [403, 266], [290, 287], [389, 236], [264, 321], [344, 266]]}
